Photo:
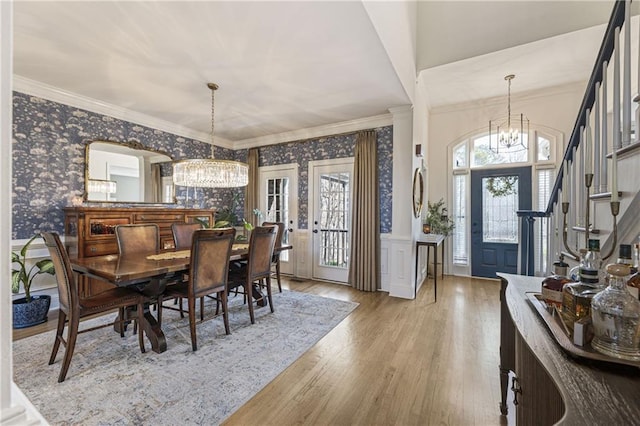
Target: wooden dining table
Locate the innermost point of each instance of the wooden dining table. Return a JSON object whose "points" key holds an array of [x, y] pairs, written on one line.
{"points": [[149, 273]]}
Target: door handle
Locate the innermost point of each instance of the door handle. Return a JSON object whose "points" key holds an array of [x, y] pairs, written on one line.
{"points": [[315, 231], [290, 229]]}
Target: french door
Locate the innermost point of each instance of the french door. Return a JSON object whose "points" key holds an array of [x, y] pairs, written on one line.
{"points": [[496, 195], [330, 221], [279, 203]]}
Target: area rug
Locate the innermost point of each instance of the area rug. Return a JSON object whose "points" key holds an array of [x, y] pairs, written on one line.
{"points": [[110, 382]]}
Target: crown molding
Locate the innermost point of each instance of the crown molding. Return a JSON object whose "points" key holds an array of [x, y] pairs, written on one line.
{"points": [[316, 132], [55, 94]]}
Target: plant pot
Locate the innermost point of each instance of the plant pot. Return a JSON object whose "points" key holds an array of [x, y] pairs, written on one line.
{"points": [[32, 313], [426, 228]]}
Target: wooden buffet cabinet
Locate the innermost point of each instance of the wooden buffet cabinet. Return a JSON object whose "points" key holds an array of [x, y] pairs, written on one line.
{"points": [[549, 385], [89, 231]]}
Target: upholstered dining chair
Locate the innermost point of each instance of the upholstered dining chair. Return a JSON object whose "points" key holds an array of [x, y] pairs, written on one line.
{"points": [[73, 307], [183, 233], [258, 266], [140, 238], [208, 272], [275, 260]]}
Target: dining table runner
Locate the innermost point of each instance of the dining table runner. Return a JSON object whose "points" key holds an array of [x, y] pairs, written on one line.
{"points": [[181, 254]]}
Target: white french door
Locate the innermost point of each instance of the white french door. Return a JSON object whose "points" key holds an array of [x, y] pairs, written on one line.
{"points": [[279, 203], [330, 218]]}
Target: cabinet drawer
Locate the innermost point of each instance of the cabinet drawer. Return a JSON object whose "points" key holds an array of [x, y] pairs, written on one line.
{"points": [[98, 249], [158, 217]]}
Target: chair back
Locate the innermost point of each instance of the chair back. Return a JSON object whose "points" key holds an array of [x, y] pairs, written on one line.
{"points": [[142, 238], [183, 234], [261, 246], [65, 278], [278, 242], [209, 269]]}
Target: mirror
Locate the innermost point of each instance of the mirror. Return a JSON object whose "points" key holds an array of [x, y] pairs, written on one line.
{"points": [[127, 172], [418, 191]]}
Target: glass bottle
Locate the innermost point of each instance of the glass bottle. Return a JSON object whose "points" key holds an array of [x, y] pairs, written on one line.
{"points": [[576, 297], [552, 285], [615, 314]]}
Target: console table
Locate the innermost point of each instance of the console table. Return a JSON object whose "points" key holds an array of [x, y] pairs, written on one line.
{"points": [[430, 240], [550, 386]]}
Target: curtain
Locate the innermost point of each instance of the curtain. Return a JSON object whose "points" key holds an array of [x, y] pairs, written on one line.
{"points": [[156, 183], [364, 270], [252, 189]]}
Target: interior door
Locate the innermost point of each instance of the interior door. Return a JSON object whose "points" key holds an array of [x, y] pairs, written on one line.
{"points": [[278, 203], [331, 219], [496, 195]]}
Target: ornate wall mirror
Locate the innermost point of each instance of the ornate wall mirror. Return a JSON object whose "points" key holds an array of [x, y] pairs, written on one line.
{"points": [[418, 191], [127, 172]]}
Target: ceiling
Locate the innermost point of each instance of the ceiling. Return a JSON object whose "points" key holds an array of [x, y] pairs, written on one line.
{"points": [[285, 66]]}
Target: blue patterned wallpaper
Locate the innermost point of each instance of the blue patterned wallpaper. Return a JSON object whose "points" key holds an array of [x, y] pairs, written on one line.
{"points": [[49, 142]]}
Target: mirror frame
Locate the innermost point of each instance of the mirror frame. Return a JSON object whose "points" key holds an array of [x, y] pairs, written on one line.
{"points": [[418, 192], [127, 144]]}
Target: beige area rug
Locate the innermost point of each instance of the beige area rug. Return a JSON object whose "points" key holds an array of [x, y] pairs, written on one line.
{"points": [[110, 382]]}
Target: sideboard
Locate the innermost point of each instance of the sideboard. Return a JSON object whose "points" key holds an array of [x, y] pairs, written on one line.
{"points": [[549, 386], [90, 231]]}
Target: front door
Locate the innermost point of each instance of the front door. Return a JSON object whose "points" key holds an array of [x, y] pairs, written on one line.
{"points": [[331, 218], [496, 195]]}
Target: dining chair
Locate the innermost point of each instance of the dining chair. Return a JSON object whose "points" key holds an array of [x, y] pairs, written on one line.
{"points": [[183, 234], [258, 266], [275, 260], [140, 238], [208, 272], [73, 307]]}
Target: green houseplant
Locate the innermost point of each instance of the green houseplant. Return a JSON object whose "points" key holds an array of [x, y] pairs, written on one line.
{"points": [[29, 310], [437, 220]]}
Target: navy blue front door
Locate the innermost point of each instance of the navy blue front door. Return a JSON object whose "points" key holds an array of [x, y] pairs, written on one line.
{"points": [[496, 195]]}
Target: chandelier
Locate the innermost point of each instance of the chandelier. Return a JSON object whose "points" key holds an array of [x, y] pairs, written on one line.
{"points": [[209, 172], [509, 135], [101, 186]]}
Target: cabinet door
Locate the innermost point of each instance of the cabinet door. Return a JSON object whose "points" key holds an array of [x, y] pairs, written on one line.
{"points": [[539, 401]]}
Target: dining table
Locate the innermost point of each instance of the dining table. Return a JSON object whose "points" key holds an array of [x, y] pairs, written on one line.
{"points": [[150, 273]]}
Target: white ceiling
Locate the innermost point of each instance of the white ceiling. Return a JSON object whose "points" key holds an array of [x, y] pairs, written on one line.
{"points": [[284, 66]]}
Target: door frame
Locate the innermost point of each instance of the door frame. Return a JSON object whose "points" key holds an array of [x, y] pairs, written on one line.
{"points": [[345, 161], [286, 267]]}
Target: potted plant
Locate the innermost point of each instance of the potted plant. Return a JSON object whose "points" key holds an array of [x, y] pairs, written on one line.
{"points": [[437, 220], [29, 310]]}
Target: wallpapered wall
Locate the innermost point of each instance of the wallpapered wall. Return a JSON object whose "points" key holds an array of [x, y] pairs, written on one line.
{"points": [[341, 146], [49, 142]]}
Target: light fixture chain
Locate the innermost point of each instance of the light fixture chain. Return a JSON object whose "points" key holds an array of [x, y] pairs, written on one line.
{"points": [[213, 115]]}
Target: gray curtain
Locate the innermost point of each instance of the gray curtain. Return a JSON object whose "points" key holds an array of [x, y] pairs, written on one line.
{"points": [[156, 183], [364, 271], [252, 189]]}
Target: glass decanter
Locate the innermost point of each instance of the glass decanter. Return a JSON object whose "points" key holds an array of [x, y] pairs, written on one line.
{"points": [[615, 314]]}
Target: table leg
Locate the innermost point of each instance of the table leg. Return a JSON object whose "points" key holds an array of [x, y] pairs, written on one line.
{"points": [[435, 274], [415, 284], [258, 296], [153, 332]]}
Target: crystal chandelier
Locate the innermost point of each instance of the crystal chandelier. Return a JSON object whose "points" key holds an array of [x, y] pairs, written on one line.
{"points": [[101, 186], [504, 135], [209, 172]]}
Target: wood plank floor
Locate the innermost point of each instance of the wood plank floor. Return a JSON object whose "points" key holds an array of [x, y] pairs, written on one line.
{"points": [[391, 362]]}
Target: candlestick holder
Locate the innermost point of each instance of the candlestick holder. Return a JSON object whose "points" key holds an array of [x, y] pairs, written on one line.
{"points": [[615, 210], [565, 210], [588, 181]]}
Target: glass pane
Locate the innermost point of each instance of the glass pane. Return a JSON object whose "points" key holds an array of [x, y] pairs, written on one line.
{"points": [[544, 149], [499, 205], [460, 156], [278, 207], [485, 153], [459, 217], [334, 220]]}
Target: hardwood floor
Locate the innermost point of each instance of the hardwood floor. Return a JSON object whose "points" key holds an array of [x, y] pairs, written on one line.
{"points": [[392, 361]]}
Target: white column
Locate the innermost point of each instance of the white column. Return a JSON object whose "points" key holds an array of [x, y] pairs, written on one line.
{"points": [[626, 77], [400, 255], [596, 142], [605, 136]]}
